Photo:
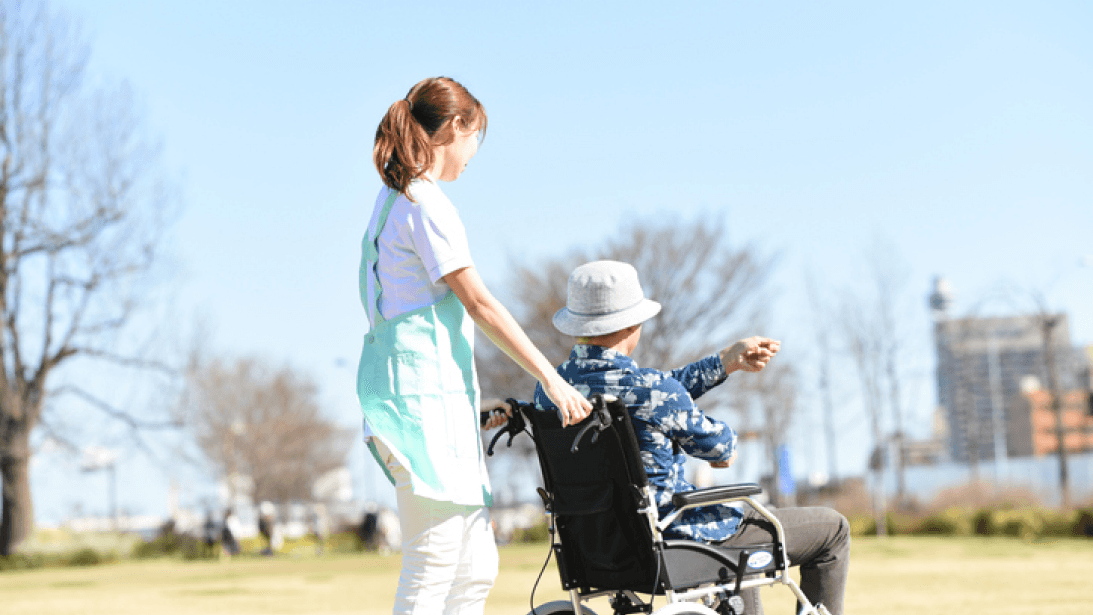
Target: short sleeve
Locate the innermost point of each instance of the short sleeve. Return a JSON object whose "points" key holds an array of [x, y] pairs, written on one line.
{"points": [[439, 237]]}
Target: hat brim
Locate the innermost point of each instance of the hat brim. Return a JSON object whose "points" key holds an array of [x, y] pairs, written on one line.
{"points": [[580, 325]]}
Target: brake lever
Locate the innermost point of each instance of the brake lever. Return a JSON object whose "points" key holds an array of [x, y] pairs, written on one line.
{"points": [[601, 420], [496, 437], [513, 427]]}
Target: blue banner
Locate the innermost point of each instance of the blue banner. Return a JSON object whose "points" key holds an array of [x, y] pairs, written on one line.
{"points": [[786, 484]]}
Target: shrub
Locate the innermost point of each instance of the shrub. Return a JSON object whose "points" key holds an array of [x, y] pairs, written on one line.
{"points": [[983, 523], [86, 557], [1059, 524], [1024, 523], [901, 523], [161, 546], [534, 534], [344, 542], [1083, 523], [171, 545], [23, 561], [862, 524], [948, 522], [894, 524]]}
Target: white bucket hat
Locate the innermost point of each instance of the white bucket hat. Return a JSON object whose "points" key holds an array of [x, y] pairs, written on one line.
{"points": [[603, 297]]}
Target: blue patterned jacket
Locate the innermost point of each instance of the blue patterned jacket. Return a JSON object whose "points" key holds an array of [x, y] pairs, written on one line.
{"points": [[664, 415]]}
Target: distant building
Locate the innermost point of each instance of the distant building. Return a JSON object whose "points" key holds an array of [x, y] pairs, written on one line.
{"points": [[985, 366], [1033, 423]]}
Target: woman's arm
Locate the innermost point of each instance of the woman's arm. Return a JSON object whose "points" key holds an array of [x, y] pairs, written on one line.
{"points": [[503, 330]]}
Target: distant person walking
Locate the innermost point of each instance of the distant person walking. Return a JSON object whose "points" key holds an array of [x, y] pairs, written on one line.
{"points": [[229, 534], [210, 534], [417, 382], [320, 527], [266, 522]]}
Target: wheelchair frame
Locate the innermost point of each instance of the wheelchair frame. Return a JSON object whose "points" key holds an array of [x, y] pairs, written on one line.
{"points": [[702, 593]]}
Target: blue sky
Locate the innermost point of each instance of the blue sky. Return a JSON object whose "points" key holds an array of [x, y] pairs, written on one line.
{"points": [[959, 134]]}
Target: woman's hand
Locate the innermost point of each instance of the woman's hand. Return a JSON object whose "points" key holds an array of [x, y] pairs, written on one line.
{"points": [[499, 412], [750, 355], [572, 406], [724, 464]]}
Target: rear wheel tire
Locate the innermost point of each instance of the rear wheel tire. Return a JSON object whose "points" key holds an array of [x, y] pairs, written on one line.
{"points": [[685, 608], [559, 607]]}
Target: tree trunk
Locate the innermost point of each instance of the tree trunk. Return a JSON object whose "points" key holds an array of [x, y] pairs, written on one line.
{"points": [[1049, 323], [18, 509]]}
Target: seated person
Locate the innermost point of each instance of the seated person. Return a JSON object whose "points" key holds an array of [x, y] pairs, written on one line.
{"points": [[605, 308]]}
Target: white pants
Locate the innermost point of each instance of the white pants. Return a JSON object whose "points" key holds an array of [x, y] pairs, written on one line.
{"points": [[449, 556]]}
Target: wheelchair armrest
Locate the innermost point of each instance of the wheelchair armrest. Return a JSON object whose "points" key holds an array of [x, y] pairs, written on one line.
{"points": [[714, 495]]}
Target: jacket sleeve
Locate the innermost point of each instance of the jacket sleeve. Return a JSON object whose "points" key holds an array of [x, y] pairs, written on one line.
{"points": [[677, 416], [700, 376]]}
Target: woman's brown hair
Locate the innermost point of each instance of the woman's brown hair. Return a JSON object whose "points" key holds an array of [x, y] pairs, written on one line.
{"points": [[415, 125]]}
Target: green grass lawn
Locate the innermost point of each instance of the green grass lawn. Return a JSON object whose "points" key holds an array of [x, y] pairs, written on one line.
{"points": [[899, 575]]}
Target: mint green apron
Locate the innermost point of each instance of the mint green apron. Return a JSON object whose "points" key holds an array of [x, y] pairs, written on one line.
{"points": [[418, 389]]}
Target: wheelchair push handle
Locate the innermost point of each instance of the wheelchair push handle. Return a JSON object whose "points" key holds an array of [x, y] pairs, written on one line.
{"points": [[513, 427]]}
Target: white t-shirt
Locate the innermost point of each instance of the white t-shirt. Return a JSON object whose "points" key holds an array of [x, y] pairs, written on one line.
{"points": [[423, 241]]}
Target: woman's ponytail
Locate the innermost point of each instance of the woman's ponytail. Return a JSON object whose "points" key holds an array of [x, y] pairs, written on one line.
{"points": [[403, 149], [414, 126]]}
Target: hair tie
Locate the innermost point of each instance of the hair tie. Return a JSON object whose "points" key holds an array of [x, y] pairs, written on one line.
{"points": [[409, 104]]}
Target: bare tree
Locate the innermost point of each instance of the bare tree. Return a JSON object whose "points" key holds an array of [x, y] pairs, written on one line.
{"points": [[711, 291], [262, 424], [774, 394], [822, 325], [1048, 323], [890, 279], [871, 327], [82, 213], [864, 343]]}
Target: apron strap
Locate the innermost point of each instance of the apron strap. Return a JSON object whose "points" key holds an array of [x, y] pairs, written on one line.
{"points": [[371, 261]]}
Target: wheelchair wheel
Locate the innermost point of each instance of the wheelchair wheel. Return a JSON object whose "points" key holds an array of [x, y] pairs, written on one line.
{"points": [[560, 607], [685, 608]]}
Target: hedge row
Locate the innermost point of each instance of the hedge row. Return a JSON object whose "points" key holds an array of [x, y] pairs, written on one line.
{"points": [[174, 546], [85, 556], [1027, 523]]}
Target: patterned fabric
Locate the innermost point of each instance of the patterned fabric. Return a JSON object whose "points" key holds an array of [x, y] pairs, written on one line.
{"points": [[667, 424]]}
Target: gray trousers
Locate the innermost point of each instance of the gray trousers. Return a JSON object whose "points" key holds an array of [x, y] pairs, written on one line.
{"points": [[817, 540]]}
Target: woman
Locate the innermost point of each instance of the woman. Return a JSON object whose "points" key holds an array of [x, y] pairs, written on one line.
{"points": [[416, 382]]}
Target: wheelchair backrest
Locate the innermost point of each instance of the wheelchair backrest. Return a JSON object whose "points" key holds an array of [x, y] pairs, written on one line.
{"points": [[595, 490]]}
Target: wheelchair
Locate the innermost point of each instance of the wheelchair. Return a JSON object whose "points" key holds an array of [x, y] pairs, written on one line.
{"points": [[607, 535]]}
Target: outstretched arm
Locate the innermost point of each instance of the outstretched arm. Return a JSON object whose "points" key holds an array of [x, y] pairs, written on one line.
{"points": [[503, 330], [750, 355]]}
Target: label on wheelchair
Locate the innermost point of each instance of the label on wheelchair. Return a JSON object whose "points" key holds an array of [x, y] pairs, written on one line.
{"points": [[759, 559]]}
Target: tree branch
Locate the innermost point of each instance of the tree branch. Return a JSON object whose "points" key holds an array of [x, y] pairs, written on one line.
{"points": [[111, 411], [124, 361]]}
